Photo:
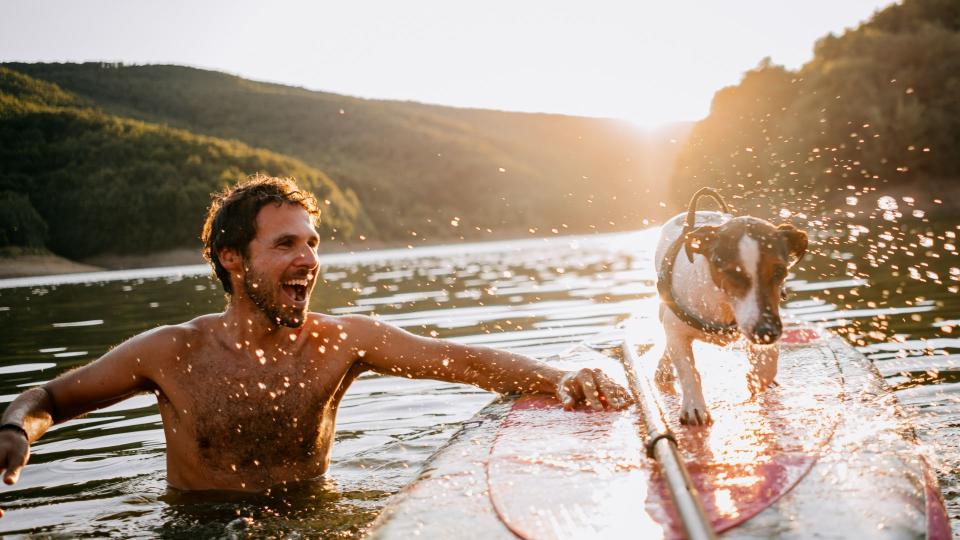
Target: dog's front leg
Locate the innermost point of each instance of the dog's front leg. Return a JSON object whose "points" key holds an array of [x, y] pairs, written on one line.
{"points": [[763, 366], [664, 376], [693, 408]]}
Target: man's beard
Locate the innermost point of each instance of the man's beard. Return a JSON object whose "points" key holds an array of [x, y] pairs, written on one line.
{"points": [[264, 296]]}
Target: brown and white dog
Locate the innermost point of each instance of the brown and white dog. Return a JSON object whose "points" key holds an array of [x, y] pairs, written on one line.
{"points": [[720, 278]]}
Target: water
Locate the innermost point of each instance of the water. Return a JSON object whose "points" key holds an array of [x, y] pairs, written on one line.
{"points": [[104, 474]]}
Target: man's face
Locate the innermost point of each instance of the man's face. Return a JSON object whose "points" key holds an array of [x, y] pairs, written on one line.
{"points": [[281, 264]]}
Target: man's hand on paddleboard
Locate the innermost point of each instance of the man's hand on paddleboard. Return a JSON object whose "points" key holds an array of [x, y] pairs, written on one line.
{"points": [[591, 388]]}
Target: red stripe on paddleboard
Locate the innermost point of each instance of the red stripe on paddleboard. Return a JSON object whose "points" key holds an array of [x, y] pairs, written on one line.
{"points": [[527, 479], [535, 402], [799, 335], [779, 476], [938, 523], [557, 474]]}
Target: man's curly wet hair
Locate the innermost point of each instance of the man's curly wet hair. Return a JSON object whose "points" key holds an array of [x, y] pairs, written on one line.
{"points": [[232, 217]]}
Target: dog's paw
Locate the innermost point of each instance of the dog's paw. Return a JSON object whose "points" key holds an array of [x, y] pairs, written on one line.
{"points": [[664, 379], [694, 413], [758, 384]]}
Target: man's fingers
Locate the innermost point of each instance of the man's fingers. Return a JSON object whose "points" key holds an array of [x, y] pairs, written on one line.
{"points": [[593, 388], [589, 388], [15, 460], [12, 474], [614, 394]]}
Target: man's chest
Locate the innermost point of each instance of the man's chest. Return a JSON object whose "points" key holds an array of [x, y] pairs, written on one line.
{"points": [[214, 391]]}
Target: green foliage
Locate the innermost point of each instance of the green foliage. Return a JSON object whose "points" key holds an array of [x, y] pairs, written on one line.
{"points": [[415, 167], [20, 224], [876, 108], [19, 87], [104, 184]]}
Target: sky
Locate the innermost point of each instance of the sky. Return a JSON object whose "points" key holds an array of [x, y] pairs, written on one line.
{"points": [[649, 62]]}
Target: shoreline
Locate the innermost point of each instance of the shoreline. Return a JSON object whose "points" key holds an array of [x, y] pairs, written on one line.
{"points": [[21, 263], [18, 265], [13, 266], [40, 264]]}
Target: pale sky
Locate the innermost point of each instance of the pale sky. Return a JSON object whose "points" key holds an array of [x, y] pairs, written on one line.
{"points": [[652, 62]]}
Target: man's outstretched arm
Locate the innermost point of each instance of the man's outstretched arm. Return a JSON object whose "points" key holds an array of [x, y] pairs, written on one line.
{"points": [[116, 375], [390, 350]]}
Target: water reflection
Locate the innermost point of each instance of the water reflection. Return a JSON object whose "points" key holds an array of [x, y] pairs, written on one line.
{"points": [[319, 508], [104, 474]]}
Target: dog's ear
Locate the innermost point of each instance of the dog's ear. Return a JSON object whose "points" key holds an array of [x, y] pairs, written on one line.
{"points": [[699, 240], [796, 240]]}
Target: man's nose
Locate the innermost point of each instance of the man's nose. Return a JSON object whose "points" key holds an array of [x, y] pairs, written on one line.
{"points": [[308, 257]]}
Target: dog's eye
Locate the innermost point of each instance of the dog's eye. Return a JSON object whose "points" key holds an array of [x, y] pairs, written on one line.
{"points": [[736, 274], [779, 273]]}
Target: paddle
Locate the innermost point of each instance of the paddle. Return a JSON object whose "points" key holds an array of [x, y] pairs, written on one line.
{"points": [[661, 444]]}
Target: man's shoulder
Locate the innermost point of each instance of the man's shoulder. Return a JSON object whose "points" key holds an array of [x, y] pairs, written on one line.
{"points": [[176, 336], [343, 323]]}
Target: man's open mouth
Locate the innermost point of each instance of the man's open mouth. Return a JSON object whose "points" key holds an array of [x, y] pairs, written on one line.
{"points": [[296, 289]]}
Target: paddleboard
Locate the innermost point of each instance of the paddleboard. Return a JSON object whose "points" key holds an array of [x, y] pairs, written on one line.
{"points": [[826, 453]]}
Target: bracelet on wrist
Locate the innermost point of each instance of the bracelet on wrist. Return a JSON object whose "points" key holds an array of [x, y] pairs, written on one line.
{"points": [[17, 428]]}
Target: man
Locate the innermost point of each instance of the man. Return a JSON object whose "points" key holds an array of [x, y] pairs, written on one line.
{"points": [[249, 396]]}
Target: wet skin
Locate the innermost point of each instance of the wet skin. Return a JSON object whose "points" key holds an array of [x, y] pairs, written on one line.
{"points": [[249, 397]]}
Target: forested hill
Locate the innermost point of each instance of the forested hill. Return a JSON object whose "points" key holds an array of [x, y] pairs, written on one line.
{"points": [[82, 182], [416, 168], [877, 111]]}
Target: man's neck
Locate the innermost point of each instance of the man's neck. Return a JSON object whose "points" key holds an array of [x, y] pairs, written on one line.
{"points": [[246, 324]]}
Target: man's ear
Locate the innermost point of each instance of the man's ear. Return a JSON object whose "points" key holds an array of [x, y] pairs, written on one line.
{"points": [[699, 240], [796, 240], [230, 259]]}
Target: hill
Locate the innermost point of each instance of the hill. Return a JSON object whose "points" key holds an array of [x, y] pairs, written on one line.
{"points": [[82, 182], [415, 167], [876, 111]]}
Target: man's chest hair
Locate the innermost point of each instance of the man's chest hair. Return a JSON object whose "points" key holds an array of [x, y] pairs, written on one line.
{"points": [[245, 409]]}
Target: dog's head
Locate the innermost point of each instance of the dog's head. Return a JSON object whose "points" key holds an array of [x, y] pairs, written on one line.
{"points": [[749, 259]]}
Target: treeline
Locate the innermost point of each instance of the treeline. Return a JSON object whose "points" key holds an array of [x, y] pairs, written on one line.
{"points": [[81, 182], [414, 167], [876, 110]]}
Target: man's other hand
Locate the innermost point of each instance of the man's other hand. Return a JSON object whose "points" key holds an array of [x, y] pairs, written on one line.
{"points": [[592, 388], [14, 453]]}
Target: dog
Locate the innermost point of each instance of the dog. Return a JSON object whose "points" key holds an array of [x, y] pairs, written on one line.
{"points": [[721, 278]]}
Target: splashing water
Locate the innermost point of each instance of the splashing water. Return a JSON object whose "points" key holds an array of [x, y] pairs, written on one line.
{"points": [[104, 474]]}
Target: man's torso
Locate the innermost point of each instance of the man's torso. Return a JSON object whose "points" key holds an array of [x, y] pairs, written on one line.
{"points": [[246, 416]]}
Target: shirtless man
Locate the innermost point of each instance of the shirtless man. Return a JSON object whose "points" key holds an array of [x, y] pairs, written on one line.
{"points": [[249, 396]]}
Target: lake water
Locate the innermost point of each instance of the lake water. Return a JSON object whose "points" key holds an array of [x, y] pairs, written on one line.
{"points": [[103, 475]]}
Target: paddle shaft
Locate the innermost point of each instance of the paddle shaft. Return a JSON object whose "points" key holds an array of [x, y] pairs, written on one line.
{"points": [[662, 446]]}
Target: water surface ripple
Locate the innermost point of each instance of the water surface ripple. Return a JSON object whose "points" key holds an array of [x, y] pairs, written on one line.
{"points": [[103, 475]]}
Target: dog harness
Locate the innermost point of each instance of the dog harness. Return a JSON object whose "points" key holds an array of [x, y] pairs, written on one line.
{"points": [[665, 276]]}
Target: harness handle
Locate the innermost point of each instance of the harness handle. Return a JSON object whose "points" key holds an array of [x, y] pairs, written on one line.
{"points": [[692, 212]]}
